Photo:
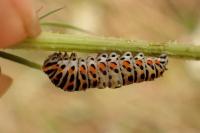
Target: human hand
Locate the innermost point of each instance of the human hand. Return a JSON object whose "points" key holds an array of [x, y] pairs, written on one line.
{"points": [[18, 20]]}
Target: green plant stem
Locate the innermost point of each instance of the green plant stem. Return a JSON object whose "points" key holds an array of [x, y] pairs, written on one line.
{"points": [[19, 60], [65, 42]]}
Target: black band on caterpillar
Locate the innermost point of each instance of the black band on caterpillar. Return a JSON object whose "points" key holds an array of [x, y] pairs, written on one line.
{"points": [[106, 70]]}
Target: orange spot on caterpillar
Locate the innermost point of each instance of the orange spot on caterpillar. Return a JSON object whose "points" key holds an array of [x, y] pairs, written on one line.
{"points": [[126, 64], [67, 85], [112, 65], [150, 62], [71, 70], [50, 67], [139, 62], [101, 66], [82, 70], [92, 69], [157, 62]]}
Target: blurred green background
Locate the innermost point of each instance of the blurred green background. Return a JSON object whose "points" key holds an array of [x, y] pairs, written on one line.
{"points": [[169, 104]]}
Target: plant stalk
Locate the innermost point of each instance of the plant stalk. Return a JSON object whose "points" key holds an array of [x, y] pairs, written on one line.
{"points": [[65, 42], [20, 60]]}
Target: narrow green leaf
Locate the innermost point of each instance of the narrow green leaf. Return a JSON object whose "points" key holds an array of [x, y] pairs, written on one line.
{"points": [[19, 60], [64, 25], [51, 12]]}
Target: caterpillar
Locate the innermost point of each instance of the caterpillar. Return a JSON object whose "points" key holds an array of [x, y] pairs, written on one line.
{"points": [[71, 73]]}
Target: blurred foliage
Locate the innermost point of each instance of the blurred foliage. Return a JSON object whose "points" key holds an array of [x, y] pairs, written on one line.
{"points": [[169, 104]]}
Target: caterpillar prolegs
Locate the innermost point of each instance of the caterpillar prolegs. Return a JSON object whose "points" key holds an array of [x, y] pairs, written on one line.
{"points": [[71, 73]]}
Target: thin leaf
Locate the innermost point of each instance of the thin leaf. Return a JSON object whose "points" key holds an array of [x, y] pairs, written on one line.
{"points": [[65, 25], [19, 60], [51, 12]]}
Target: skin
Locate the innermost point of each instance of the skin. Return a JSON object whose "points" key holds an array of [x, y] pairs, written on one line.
{"points": [[18, 20]]}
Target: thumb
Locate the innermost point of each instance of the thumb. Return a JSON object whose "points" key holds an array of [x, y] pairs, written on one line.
{"points": [[18, 21]]}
